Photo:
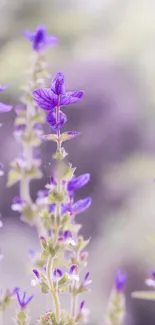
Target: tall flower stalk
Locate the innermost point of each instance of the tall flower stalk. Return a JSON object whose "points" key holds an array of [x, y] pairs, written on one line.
{"points": [[63, 252], [28, 128]]}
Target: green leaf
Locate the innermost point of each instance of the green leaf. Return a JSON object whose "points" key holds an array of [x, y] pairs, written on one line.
{"points": [[60, 155], [63, 280], [13, 177], [148, 295], [68, 135], [69, 174]]}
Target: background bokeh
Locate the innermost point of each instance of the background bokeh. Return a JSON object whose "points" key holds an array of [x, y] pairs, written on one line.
{"points": [[107, 48]]}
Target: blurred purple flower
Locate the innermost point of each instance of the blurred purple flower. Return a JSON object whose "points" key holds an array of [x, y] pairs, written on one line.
{"points": [[40, 39], [5, 108], [48, 98], [51, 207], [22, 300], [2, 88], [52, 120], [120, 281]]}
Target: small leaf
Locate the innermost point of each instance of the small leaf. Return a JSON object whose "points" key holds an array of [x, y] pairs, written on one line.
{"points": [[69, 174], [49, 137], [148, 295], [60, 155], [69, 135], [13, 177]]}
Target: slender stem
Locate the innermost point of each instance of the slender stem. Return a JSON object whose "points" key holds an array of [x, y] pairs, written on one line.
{"points": [[73, 305], [53, 290]]}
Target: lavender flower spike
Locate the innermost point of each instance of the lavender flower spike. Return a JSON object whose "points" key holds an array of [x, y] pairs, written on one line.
{"points": [[48, 98], [23, 301], [120, 281], [40, 39]]}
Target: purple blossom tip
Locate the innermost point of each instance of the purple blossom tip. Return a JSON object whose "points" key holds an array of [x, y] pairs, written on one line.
{"points": [[72, 268], [51, 207], [22, 300], [120, 281], [36, 273], [67, 234], [40, 39], [58, 273], [82, 305], [58, 84]]}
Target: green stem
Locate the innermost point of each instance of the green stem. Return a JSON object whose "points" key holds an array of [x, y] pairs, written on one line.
{"points": [[53, 290]]}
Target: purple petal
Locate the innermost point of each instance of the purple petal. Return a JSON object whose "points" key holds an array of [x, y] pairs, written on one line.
{"points": [[78, 182], [58, 84], [153, 274], [58, 272], [51, 40], [71, 98], [5, 108], [36, 273], [51, 120], [18, 297], [65, 208], [81, 205], [45, 98], [29, 35], [18, 200], [67, 234], [120, 281], [72, 268], [51, 208], [86, 277], [82, 305]]}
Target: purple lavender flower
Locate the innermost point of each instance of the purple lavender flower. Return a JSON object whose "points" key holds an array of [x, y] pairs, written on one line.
{"points": [[22, 300], [48, 98], [77, 182], [57, 273], [82, 305], [86, 282], [52, 120], [120, 281], [36, 273], [72, 268], [40, 39], [81, 205]]}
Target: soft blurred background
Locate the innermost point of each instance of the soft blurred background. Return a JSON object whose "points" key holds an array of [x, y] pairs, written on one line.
{"points": [[107, 48]]}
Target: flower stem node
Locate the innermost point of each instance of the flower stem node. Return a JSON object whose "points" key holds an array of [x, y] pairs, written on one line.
{"points": [[55, 196]]}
